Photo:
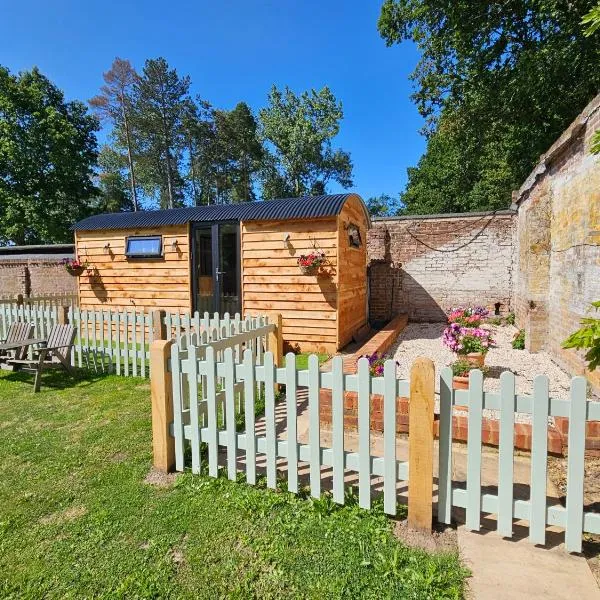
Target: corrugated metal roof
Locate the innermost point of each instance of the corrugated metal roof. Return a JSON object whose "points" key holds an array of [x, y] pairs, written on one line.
{"points": [[309, 207]]}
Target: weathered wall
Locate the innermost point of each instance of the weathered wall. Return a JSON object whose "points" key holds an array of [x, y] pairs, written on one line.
{"points": [[558, 242], [34, 275], [425, 265]]}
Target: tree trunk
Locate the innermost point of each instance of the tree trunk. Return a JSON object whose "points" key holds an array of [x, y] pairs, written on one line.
{"points": [[129, 156]]}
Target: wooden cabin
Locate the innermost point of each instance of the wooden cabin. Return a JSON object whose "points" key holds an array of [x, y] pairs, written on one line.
{"points": [[236, 258]]}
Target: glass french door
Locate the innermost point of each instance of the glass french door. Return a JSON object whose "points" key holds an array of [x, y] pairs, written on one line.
{"points": [[217, 268]]}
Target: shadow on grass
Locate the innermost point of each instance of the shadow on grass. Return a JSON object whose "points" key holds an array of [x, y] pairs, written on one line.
{"points": [[58, 379]]}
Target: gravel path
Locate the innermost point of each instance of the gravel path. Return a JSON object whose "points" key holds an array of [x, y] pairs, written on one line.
{"points": [[425, 339]]}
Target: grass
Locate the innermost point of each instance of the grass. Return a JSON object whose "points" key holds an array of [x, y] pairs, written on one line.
{"points": [[302, 359], [77, 518]]}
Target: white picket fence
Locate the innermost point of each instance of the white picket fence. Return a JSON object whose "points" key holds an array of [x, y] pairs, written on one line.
{"points": [[119, 341], [210, 386]]}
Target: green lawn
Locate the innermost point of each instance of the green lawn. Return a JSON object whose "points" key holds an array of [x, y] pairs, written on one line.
{"points": [[77, 519]]}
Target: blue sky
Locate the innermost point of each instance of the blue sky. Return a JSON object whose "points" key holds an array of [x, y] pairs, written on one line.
{"points": [[235, 50]]}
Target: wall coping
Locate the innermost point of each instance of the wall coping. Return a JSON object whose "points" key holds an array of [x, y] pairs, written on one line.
{"points": [[466, 215]]}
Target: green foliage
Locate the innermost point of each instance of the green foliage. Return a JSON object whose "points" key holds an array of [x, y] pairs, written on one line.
{"points": [[510, 318], [461, 368], [114, 192], [587, 337], [299, 130], [79, 520], [384, 206], [592, 21], [114, 104], [518, 341], [497, 83], [160, 99], [47, 154]]}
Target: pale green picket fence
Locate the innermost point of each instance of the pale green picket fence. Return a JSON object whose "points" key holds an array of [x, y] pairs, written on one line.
{"points": [[210, 385], [119, 341], [535, 510]]}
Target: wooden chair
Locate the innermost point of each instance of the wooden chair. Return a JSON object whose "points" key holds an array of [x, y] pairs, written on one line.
{"points": [[17, 332], [54, 352]]}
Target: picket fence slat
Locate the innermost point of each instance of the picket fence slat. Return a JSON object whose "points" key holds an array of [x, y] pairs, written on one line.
{"points": [[291, 388], [249, 416], [575, 465], [364, 433], [337, 425], [270, 429], [473, 519], [389, 438], [211, 394], [445, 447], [539, 460], [314, 385], [506, 454]]}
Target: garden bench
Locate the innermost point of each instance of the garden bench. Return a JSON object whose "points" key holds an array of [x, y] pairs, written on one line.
{"points": [[52, 353], [12, 346]]}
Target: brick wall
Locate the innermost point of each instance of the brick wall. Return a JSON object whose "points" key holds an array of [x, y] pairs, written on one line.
{"points": [[34, 277], [557, 262], [424, 265]]}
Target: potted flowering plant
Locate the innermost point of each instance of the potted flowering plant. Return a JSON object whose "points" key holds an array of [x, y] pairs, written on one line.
{"points": [[468, 317], [460, 374], [309, 263], [471, 342], [376, 363], [75, 266]]}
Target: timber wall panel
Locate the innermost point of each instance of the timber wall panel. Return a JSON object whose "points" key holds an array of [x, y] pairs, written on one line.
{"points": [[352, 285], [115, 282], [273, 282]]}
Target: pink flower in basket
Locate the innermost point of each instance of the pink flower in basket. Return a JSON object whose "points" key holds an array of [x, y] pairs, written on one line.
{"points": [[75, 265], [311, 262]]}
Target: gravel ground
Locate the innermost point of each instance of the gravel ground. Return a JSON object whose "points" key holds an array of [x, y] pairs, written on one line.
{"points": [[425, 339]]}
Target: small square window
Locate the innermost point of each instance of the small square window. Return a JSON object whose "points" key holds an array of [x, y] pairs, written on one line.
{"points": [[354, 238], [149, 246]]}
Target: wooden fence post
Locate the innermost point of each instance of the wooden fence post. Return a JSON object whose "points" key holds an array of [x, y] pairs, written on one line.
{"points": [[163, 443], [159, 327], [63, 315], [420, 444], [276, 344], [276, 340]]}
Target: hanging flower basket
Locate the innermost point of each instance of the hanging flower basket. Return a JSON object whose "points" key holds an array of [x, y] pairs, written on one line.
{"points": [[75, 266], [310, 263]]}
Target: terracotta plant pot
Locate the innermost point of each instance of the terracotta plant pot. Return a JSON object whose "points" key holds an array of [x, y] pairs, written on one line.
{"points": [[477, 359], [460, 383]]}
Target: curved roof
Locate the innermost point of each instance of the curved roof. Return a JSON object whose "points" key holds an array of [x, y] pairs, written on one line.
{"points": [[308, 207]]}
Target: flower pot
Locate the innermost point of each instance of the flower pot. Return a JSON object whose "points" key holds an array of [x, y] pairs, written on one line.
{"points": [[312, 270], [75, 271], [477, 359], [460, 383]]}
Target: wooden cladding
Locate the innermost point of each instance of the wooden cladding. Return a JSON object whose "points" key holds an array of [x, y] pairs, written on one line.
{"points": [[272, 280], [118, 282]]}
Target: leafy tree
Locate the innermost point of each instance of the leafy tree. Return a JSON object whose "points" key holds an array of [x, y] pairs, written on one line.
{"points": [[497, 83], [112, 182], [384, 206], [299, 130], [114, 104], [48, 150], [160, 102], [592, 22]]}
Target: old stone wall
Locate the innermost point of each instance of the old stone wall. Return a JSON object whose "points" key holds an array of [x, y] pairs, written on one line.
{"points": [[557, 262], [425, 265], [35, 274]]}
